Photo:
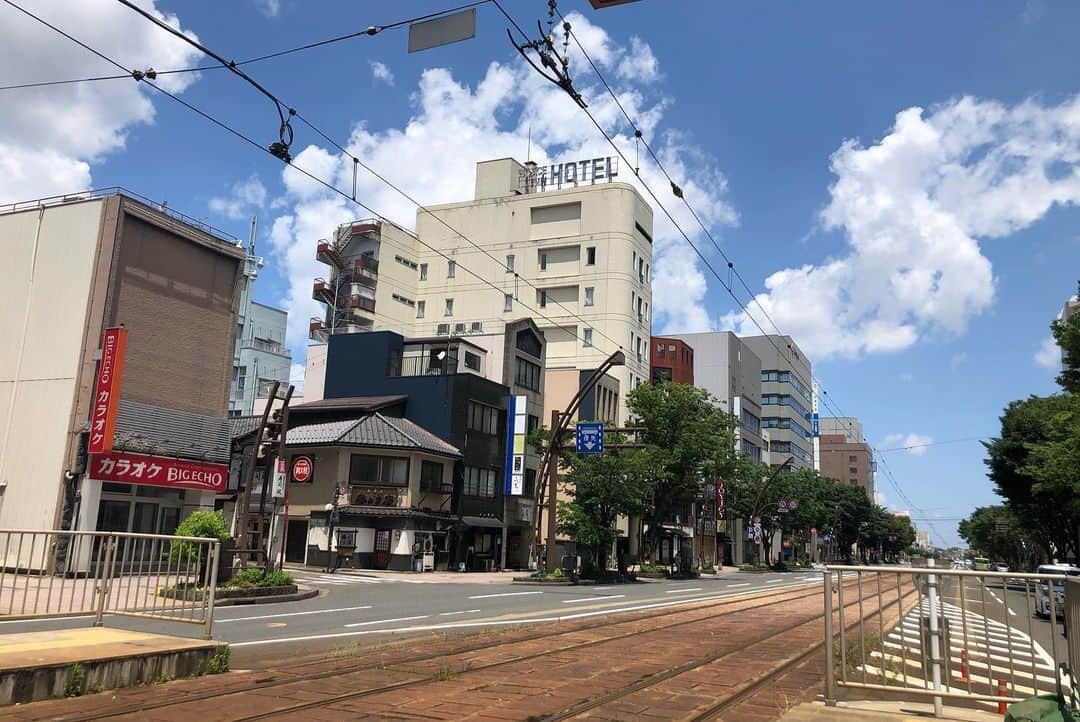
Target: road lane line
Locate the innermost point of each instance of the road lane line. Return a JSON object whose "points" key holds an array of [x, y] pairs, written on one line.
{"points": [[386, 621], [593, 599], [776, 581], [684, 591], [463, 611], [504, 594], [219, 620], [744, 584]]}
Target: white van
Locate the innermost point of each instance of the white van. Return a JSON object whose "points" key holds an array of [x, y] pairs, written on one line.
{"points": [[1042, 600]]}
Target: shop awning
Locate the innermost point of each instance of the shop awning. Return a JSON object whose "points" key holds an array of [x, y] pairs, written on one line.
{"points": [[483, 521]]}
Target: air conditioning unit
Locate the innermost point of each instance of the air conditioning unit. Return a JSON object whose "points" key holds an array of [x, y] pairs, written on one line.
{"points": [[476, 327], [443, 329], [459, 328]]}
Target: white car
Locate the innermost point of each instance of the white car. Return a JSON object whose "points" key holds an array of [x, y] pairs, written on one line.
{"points": [[1042, 598]]}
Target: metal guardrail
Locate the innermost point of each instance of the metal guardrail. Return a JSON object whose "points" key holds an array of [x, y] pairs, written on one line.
{"points": [[966, 635], [69, 573]]}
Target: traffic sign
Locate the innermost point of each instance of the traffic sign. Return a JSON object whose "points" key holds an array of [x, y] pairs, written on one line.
{"points": [[590, 437]]}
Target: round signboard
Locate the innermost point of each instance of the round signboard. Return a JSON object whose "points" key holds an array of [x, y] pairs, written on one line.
{"points": [[301, 469]]}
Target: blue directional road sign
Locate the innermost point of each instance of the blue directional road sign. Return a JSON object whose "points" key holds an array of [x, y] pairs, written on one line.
{"points": [[590, 438]]}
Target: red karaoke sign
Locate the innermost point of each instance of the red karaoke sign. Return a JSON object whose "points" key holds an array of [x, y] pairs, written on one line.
{"points": [[107, 390], [130, 468]]}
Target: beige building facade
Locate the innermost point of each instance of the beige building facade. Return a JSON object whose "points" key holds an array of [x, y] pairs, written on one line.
{"points": [[575, 257]]}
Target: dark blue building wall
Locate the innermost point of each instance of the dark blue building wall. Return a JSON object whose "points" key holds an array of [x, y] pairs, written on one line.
{"points": [[359, 364]]}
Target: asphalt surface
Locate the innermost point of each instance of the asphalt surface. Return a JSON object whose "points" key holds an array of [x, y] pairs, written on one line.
{"points": [[354, 610]]}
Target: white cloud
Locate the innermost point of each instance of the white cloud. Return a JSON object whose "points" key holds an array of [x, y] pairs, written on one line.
{"points": [[269, 8], [50, 137], [914, 444], [1049, 354], [244, 198], [911, 207], [454, 125], [380, 72], [958, 359]]}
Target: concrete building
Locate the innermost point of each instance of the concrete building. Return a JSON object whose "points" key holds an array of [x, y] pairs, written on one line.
{"points": [[786, 398], [847, 426], [572, 250], [726, 367], [671, 360], [76, 266], [260, 358], [847, 462]]}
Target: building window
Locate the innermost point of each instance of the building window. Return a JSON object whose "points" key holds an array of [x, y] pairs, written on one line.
{"points": [[420, 306], [379, 470], [402, 299], [479, 482], [853, 482], [543, 261], [543, 299], [590, 295], [443, 329], [750, 422], [451, 269], [640, 309], [851, 459], [637, 348], [448, 309], [431, 477], [661, 374], [472, 361], [660, 350], [588, 337], [423, 271], [529, 487], [590, 256], [527, 375], [646, 273], [532, 423], [641, 270], [508, 302], [240, 376], [483, 418], [852, 470], [263, 388], [509, 262], [405, 262]]}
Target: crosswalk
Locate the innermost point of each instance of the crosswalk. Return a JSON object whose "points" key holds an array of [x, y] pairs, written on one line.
{"points": [[343, 579], [981, 652]]}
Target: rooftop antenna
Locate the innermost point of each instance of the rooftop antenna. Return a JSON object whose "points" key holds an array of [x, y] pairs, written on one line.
{"points": [[251, 235]]}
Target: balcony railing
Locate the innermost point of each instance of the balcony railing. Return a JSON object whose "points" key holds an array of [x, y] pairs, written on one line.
{"points": [[362, 303]]}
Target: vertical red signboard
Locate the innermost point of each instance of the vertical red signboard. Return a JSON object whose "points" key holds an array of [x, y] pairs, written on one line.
{"points": [[107, 390]]}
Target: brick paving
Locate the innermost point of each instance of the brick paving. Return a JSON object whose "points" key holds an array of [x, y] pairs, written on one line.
{"points": [[522, 674]]}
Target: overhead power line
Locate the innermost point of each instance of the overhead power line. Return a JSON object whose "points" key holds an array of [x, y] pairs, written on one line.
{"points": [[329, 186], [368, 31]]}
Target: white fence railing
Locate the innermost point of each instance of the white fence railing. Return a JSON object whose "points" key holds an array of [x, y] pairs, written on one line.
{"points": [[982, 637], [68, 573]]}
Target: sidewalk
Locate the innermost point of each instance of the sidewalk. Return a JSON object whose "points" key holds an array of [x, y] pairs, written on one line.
{"points": [[866, 711]]}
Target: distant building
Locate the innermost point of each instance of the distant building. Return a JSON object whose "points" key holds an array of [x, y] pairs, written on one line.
{"points": [[786, 399], [847, 462], [731, 372], [671, 359], [260, 358], [847, 426]]}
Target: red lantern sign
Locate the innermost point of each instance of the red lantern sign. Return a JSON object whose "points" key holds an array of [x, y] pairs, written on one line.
{"points": [[302, 469]]}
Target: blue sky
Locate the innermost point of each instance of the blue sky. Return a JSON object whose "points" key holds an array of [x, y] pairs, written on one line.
{"points": [[921, 258]]}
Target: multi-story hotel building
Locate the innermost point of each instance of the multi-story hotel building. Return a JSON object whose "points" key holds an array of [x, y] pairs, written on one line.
{"points": [[572, 251]]}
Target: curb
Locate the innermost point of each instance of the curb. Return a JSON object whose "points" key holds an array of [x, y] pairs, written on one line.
{"points": [[270, 599]]}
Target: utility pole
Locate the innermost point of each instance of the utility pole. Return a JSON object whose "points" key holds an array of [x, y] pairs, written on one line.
{"points": [[553, 502]]}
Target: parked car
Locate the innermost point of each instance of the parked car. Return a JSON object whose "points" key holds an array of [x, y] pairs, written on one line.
{"points": [[999, 567], [1042, 598]]}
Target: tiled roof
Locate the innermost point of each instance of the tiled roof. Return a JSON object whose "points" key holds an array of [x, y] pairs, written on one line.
{"points": [[242, 425], [372, 430], [358, 403], [149, 429]]}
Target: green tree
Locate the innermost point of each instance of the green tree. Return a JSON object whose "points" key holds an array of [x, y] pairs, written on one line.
{"points": [[690, 438], [996, 533], [1067, 336]]}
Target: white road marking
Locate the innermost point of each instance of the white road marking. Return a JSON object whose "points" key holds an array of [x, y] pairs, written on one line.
{"points": [[496, 622], [386, 621], [684, 591], [600, 589], [744, 584], [593, 599], [998, 600], [464, 611], [504, 594], [776, 581], [219, 620]]}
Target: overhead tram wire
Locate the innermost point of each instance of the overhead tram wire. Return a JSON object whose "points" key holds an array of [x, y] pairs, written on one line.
{"points": [[226, 127], [678, 192], [342, 149], [368, 31]]}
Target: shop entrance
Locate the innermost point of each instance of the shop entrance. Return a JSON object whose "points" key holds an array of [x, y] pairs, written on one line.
{"points": [[382, 549], [296, 534]]}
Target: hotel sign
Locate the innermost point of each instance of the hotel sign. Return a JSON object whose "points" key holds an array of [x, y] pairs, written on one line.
{"points": [[128, 468], [574, 173], [516, 429]]}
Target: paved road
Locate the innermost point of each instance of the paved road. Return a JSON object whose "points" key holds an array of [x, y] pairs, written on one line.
{"points": [[353, 608]]}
